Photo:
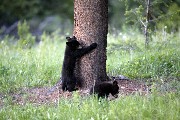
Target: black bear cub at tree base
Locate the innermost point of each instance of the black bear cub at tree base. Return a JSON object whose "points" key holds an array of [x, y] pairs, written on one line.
{"points": [[104, 89], [72, 53]]}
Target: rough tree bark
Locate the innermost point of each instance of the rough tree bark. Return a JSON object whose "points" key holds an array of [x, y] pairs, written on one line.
{"points": [[91, 25]]}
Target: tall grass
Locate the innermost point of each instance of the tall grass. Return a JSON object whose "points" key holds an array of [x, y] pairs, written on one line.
{"points": [[127, 56], [161, 107], [40, 65]]}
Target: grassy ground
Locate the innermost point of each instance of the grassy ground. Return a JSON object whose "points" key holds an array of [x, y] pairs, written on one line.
{"points": [[161, 107], [40, 65]]}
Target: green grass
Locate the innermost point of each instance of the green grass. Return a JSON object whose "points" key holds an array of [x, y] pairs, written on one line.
{"points": [[38, 66], [41, 66], [161, 107], [128, 56]]}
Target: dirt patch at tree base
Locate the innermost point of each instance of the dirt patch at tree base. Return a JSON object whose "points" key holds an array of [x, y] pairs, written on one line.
{"points": [[49, 95]]}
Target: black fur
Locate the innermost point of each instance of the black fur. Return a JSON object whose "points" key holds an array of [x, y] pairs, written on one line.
{"points": [[72, 53], [104, 89]]}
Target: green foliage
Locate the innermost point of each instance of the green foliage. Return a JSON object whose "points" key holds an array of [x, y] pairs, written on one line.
{"points": [[40, 65], [128, 57], [26, 40], [162, 13], [116, 10], [152, 65], [126, 107], [12, 10], [171, 19]]}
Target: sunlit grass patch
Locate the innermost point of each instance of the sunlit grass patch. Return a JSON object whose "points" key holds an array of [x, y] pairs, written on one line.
{"points": [[128, 57], [38, 66]]}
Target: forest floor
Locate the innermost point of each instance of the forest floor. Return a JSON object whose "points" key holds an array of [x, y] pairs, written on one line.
{"points": [[51, 95]]}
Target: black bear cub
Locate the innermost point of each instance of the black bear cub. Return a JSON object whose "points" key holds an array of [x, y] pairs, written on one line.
{"points": [[72, 53], [104, 89]]}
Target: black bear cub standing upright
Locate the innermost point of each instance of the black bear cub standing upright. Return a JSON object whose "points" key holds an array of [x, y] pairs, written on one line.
{"points": [[104, 89], [72, 53]]}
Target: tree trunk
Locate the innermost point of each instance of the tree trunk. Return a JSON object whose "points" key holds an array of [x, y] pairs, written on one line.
{"points": [[91, 25], [146, 32]]}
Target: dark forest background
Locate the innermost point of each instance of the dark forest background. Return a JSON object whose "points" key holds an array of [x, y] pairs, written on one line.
{"points": [[50, 15]]}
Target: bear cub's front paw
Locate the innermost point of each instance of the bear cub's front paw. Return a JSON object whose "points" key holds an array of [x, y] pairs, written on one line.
{"points": [[94, 45]]}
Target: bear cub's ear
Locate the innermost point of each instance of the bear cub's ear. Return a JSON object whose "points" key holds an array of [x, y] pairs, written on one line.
{"points": [[74, 37], [68, 38], [115, 83]]}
